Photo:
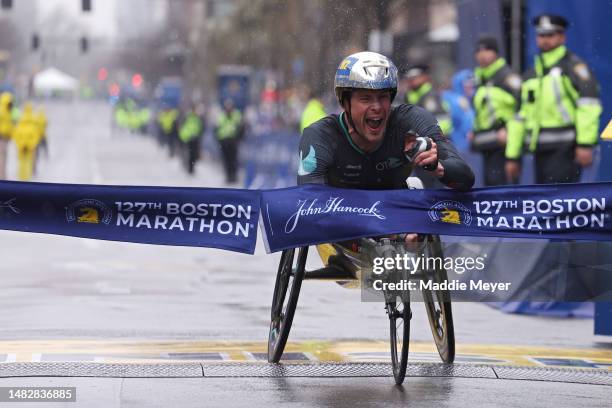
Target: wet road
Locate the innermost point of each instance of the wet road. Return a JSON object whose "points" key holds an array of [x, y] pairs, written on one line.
{"points": [[52, 286], [64, 289], [317, 392]]}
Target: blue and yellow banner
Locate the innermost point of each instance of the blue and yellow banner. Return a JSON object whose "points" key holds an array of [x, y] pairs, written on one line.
{"points": [[314, 214], [304, 215], [203, 217]]}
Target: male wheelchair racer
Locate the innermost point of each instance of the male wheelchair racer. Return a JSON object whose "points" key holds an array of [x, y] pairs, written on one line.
{"points": [[347, 264]]}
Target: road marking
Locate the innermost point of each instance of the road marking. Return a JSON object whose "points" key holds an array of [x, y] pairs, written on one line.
{"points": [[322, 351]]}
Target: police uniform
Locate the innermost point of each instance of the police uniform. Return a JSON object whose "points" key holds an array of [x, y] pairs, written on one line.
{"points": [[167, 120], [495, 102], [313, 111], [560, 109], [190, 133], [6, 129], [229, 131], [427, 98]]}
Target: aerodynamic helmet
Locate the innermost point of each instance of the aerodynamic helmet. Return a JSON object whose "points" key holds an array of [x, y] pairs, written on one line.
{"points": [[365, 70]]}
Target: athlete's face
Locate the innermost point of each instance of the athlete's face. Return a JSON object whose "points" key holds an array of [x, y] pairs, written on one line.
{"points": [[370, 112]]}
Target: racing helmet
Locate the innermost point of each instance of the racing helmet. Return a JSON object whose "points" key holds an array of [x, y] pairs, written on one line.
{"points": [[365, 70]]}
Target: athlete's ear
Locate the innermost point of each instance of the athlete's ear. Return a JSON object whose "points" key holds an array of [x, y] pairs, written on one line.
{"points": [[346, 104]]}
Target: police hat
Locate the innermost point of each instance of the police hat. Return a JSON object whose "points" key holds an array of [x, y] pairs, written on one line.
{"points": [[550, 24], [487, 42], [416, 70]]}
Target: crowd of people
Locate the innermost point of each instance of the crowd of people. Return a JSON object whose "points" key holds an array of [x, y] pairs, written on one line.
{"points": [[551, 111], [180, 130]]}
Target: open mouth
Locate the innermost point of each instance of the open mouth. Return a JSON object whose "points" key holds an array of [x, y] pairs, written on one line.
{"points": [[374, 124]]}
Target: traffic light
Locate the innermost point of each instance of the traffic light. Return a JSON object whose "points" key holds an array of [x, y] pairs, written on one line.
{"points": [[136, 80], [102, 74], [35, 42], [84, 45], [86, 5], [7, 4]]}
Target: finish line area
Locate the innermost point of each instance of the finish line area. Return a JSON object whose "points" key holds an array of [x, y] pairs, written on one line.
{"points": [[43, 355]]}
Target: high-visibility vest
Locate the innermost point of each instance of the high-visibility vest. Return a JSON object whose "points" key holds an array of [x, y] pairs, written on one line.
{"points": [[166, 120], [425, 97], [313, 111], [6, 115], [229, 125], [495, 102], [560, 105], [191, 128]]}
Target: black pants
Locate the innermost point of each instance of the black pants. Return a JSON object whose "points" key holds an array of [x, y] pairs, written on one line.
{"points": [[192, 154], [173, 143], [229, 151], [557, 165], [494, 161]]}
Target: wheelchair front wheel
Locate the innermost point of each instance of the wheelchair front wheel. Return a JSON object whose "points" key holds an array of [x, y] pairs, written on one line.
{"points": [[399, 314], [438, 304], [284, 302]]}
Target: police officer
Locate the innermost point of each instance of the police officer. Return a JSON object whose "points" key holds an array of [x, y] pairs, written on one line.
{"points": [[560, 108], [26, 135], [167, 120], [229, 132], [6, 128], [190, 134], [313, 111], [495, 101], [421, 93]]}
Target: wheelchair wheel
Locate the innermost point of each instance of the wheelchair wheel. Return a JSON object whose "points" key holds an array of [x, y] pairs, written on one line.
{"points": [[438, 304], [286, 292], [399, 314]]}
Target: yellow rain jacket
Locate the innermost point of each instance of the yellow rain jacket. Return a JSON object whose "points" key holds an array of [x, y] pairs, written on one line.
{"points": [[6, 115]]}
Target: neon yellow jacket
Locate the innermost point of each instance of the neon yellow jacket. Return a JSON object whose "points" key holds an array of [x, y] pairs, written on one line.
{"points": [[27, 132], [6, 115], [313, 111], [559, 104], [428, 99]]}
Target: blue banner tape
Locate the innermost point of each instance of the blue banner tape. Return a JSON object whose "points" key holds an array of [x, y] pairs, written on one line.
{"points": [[304, 215], [312, 214], [202, 217]]}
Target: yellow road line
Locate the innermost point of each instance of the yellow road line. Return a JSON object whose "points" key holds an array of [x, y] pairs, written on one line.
{"points": [[143, 351]]}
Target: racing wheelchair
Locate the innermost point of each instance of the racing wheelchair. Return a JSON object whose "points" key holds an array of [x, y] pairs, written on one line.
{"points": [[347, 264]]}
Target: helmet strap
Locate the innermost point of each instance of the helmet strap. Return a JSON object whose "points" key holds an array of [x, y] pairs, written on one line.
{"points": [[349, 118]]}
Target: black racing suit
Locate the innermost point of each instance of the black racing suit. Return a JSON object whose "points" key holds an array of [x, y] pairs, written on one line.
{"points": [[329, 156]]}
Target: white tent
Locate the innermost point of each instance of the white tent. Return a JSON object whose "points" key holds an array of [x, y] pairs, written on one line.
{"points": [[446, 33], [54, 80]]}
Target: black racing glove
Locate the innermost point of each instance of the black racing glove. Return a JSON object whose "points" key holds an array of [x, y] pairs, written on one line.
{"points": [[421, 144]]}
